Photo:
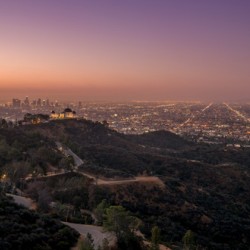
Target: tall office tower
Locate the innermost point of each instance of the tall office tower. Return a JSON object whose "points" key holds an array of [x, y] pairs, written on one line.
{"points": [[34, 103], [39, 102], [44, 103], [26, 101], [47, 103], [16, 103]]}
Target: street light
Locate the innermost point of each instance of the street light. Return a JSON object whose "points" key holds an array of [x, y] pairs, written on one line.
{"points": [[3, 177]]}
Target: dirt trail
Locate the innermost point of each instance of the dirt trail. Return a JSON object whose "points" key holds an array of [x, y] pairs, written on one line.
{"points": [[149, 179], [100, 181]]}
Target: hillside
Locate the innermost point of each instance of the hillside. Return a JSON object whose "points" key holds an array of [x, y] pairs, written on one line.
{"points": [[107, 152], [160, 139], [21, 228], [207, 187]]}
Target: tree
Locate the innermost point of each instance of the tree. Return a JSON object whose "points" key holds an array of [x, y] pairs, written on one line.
{"points": [[17, 171], [77, 202], [189, 240], [155, 238], [44, 200], [21, 228], [10, 124], [119, 221], [105, 244], [4, 124], [71, 162], [105, 123], [67, 163], [87, 243], [100, 211], [4, 148]]}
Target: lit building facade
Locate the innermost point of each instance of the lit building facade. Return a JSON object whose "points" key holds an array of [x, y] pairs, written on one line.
{"points": [[66, 114]]}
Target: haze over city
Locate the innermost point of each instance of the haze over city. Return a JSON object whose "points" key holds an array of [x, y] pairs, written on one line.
{"points": [[125, 50]]}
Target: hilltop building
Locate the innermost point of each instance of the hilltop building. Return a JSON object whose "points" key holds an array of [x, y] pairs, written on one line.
{"points": [[66, 114]]}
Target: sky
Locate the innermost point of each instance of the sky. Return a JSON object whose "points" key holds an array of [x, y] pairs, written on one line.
{"points": [[125, 49]]}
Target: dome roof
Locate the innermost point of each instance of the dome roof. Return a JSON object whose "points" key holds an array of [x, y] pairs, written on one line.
{"points": [[67, 110], [52, 112]]}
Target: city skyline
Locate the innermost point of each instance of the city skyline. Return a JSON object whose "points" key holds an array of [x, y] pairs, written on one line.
{"points": [[133, 50], [213, 123]]}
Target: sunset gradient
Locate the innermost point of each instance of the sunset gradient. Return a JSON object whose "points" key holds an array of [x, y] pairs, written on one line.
{"points": [[125, 50]]}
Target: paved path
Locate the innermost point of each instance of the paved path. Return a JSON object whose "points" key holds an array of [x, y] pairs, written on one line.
{"points": [[90, 213], [26, 202], [78, 161], [97, 233]]}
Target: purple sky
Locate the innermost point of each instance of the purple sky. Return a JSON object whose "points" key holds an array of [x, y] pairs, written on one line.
{"points": [[125, 49]]}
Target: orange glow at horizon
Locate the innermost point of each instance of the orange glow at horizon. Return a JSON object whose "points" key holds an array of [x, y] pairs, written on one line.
{"points": [[92, 47]]}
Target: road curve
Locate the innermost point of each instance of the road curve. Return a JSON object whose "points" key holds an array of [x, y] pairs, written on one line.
{"points": [[98, 234], [26, 202]]}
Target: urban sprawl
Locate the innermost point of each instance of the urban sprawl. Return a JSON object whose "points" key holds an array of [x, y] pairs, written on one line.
{"points": [[227, 123]]}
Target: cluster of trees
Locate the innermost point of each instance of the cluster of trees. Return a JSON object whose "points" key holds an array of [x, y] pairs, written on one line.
{"points": [[24, 152], [216, 154], [174, 209], [161, 139], [23, 229], [19, 145], [69, 192], [6, 124], [125, 227], [36, 118], [215, 219]]}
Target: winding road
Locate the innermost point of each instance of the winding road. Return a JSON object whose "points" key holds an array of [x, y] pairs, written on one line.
{"points": [[78, 161], [98, 233], [99, 181]]}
